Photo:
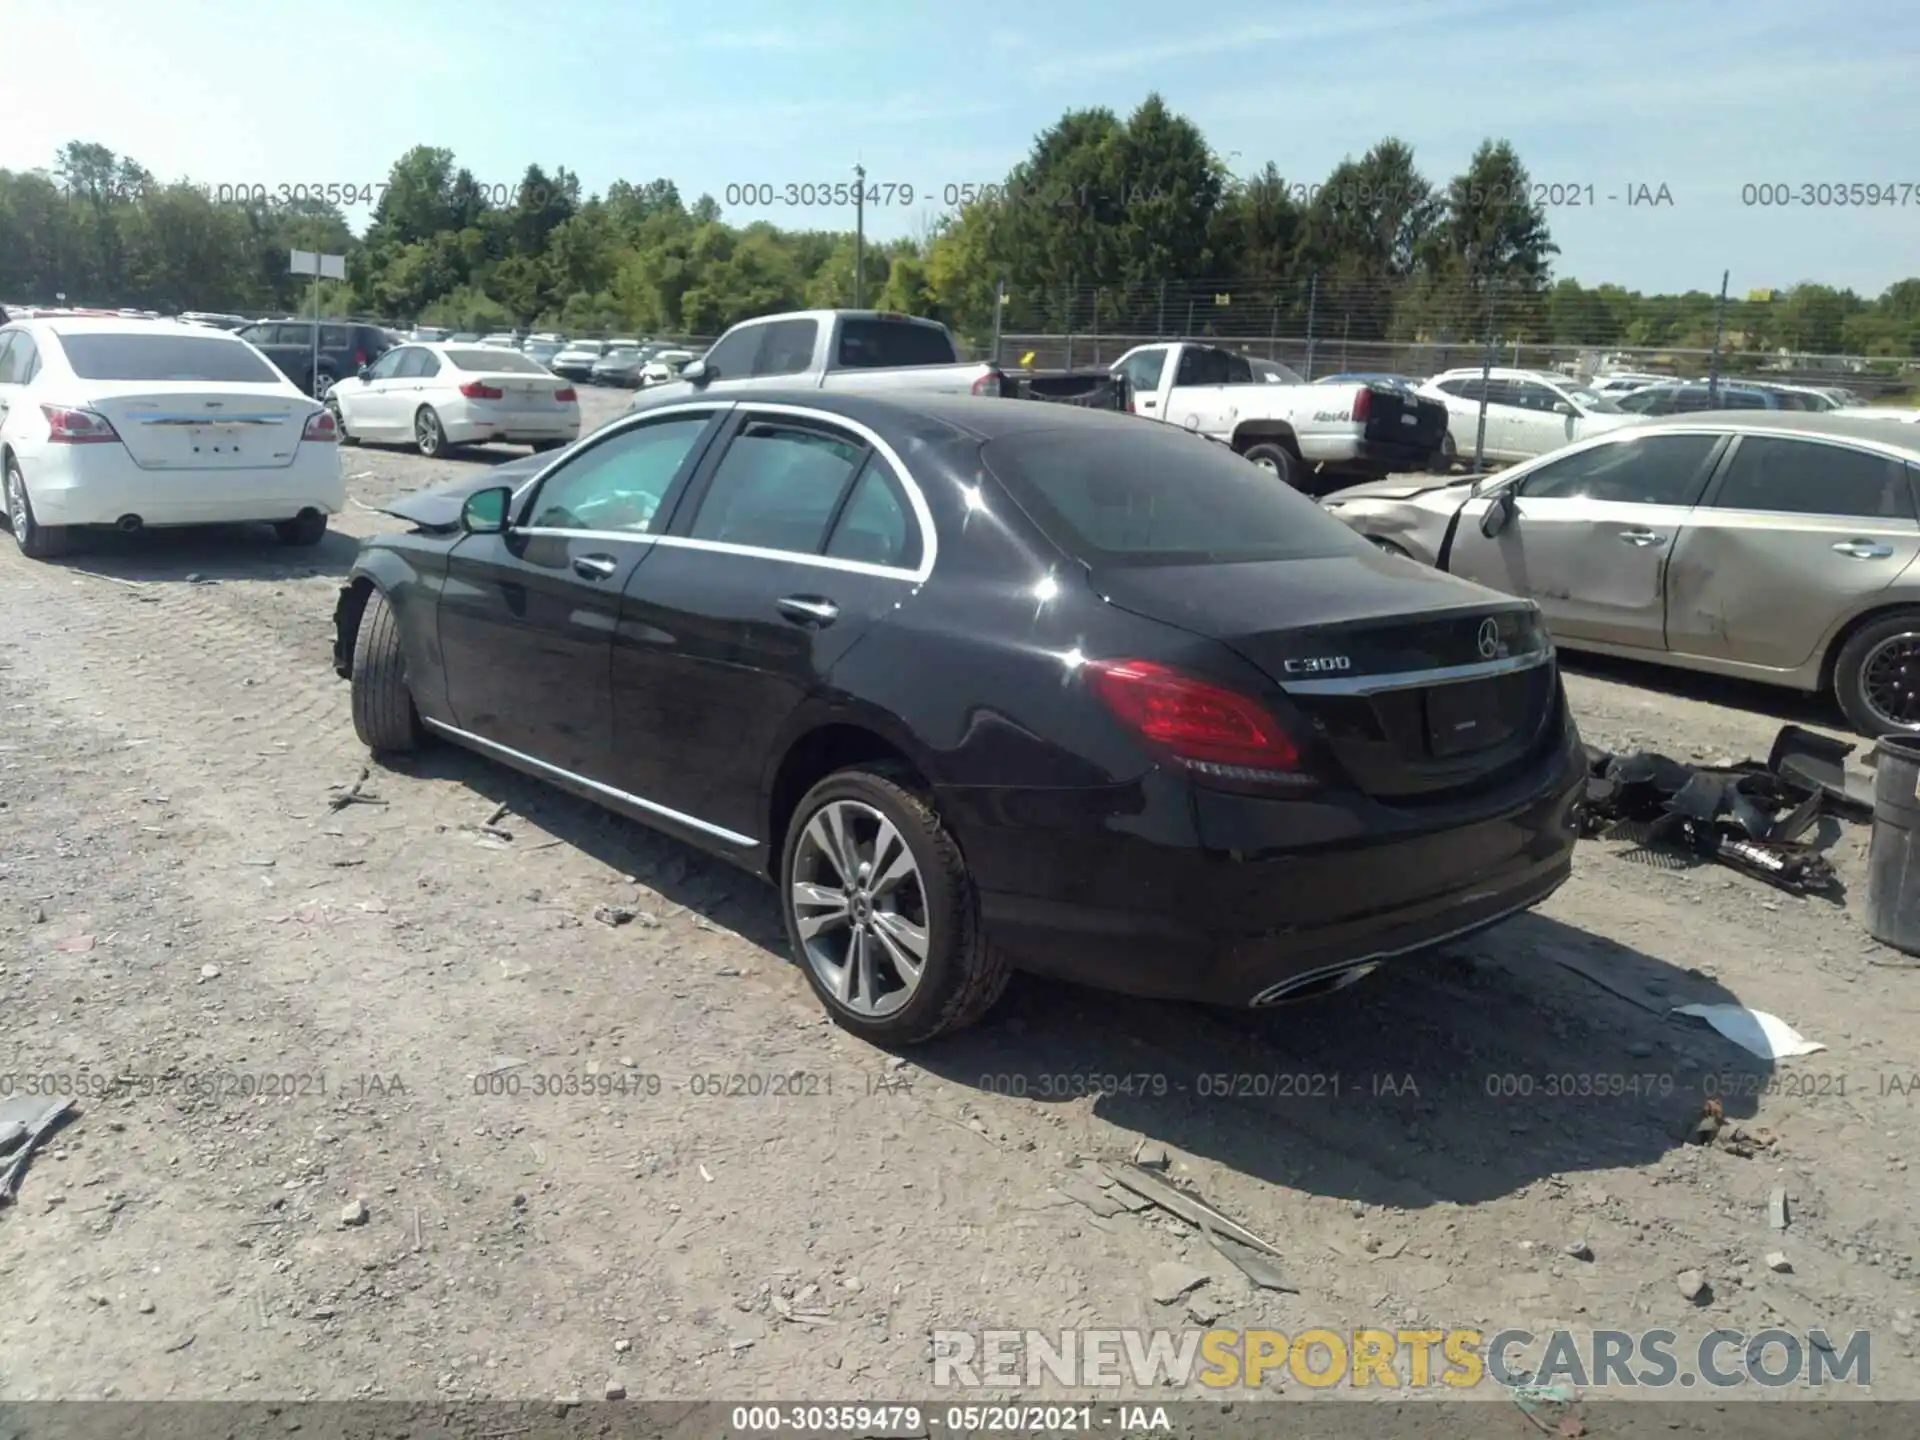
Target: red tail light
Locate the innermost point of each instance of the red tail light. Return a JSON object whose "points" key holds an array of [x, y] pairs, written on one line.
{"points": [[359, 359], [567, 396], [1363, 404], [991, 383], [320, 427], [1207, 727], [78, 427], [480, 390]]}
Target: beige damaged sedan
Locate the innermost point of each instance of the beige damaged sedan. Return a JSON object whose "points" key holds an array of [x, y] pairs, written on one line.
{"points": [[1771, 545]]}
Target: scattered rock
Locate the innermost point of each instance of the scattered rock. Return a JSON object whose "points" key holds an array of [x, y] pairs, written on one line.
{"points": [[145, 1307], [209, 972], [622, 1345], [1693, 1287], [1173, 1282], [615, 1390], [97, 1297], [354, 1212], [853, 1283], [614, 914], [1777, 1262], [1203, 1309], [1151, 1155], [1579, 1250], [1777, 1208]]}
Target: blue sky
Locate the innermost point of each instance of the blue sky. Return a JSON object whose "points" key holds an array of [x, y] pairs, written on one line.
{"points": [[1700, 96]]}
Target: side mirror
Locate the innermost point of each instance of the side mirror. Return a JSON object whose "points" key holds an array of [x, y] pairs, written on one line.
{"points": [[1561, 407], [1499, 514], [365, 372], [485, 512], [697, 372]]}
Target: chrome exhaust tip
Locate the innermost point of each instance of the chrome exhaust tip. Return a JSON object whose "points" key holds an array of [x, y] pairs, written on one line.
{"points": [[1314, 983], [128, 524]]}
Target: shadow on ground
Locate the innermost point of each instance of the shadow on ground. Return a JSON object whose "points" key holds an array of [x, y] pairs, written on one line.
{"points": [[212, 552], [1772, 703], [1455, 1077]]}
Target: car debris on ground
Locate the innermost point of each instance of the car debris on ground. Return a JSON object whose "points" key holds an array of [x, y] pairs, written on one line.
{"points": [[1749, 816], [24, 1121]]}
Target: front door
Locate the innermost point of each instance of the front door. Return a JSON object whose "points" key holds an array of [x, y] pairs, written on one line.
{"points": [[371, 409], [527, 618], [1795, 535], [801, 534], [1590, 534]]}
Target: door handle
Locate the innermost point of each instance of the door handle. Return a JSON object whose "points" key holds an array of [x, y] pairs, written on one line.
{"points": [[1642, 538], [809, 610], [1864, 549], [594, 567]]}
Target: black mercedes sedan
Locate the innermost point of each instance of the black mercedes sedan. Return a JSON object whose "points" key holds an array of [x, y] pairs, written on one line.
{"points": [[986, 683]]}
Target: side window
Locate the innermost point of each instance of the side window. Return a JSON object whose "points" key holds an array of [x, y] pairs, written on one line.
{"points": [[1744, 400], [336, 337], [425, 366], [787, 347], [1466, 387], [388, 365], [1529, 396], [1143, 371], [1503, 392], [1202, 365], [1807, 477], [621, 483], [1694, 398], [876, 525], [8, 340], [778, 486], [1239, 370], [1657, 470], [732, 355]]}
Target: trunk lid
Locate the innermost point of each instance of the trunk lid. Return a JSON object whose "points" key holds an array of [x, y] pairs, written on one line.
{"points": [[521, 391], [1400, 417], [193, 427], [1416, 683]]}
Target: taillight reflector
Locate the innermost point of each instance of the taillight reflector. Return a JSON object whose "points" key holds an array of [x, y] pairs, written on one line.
{"points": [[480, 390], [991, 383], [1204, 725], [567, 396], [320, 426], [1363, 404], [78, 427]]}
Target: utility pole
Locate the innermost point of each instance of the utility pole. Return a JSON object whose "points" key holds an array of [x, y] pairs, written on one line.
{"points": [[1719, 336], [859, 237]]}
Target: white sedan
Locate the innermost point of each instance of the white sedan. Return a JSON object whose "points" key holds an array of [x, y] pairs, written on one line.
{"points": [[139, 423], [439, 396]]}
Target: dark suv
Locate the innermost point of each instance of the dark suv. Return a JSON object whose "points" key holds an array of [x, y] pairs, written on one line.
{"points": [[345, 346]]}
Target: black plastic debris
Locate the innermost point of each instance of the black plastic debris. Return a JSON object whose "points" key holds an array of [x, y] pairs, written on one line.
{"points": [[1749, 817]]}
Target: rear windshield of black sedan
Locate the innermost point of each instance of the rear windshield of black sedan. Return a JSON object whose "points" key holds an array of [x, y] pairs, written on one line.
{"points": [[1154, 495]]}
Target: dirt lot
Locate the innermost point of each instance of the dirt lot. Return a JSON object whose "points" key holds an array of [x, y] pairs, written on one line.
{"points": [[184, 914]]}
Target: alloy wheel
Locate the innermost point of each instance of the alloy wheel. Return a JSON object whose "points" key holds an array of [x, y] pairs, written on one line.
{"points": [[1890, 680], [17, 513], [860, 907], [1267, 465], [426, 433]]}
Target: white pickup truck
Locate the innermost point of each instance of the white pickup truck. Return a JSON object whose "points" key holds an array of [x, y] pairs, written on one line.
{"points": [[871, 350], [1317, 438]]}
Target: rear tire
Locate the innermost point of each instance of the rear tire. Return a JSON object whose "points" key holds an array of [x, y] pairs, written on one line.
{"points": [[339, 420], [309, 527], [1446, 459], [429, 436], [36, 541], [323, 381], [961, 976], [1278, 459], [1874, 667], [384, 716], [542, 447]]}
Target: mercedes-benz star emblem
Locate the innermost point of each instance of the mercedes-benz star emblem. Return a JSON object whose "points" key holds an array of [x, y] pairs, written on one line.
{"points": [[1489, 638]]}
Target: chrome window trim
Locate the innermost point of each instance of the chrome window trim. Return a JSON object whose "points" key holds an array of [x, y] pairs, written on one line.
{"points": [[1414, 679], [916, 499], [732, 837]]}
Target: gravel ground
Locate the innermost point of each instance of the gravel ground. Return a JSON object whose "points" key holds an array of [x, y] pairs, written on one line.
{"points": [[187, 921]]}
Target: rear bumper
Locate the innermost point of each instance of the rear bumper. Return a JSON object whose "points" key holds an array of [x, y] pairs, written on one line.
{"points": [[1145, 913], [98, 484], [471, 426]]}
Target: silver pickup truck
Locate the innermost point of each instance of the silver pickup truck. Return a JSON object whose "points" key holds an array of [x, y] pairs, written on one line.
{"points": [[869, 350]]}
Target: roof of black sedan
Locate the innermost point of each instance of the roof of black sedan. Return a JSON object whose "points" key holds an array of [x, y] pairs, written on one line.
{"points": [[983, 416]]}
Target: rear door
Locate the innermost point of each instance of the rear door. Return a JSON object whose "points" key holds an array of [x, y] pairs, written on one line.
{"points": [[1591, 534], [1795, 535], [1537, 426], [801, 533], [12, 377], [526, 619]]}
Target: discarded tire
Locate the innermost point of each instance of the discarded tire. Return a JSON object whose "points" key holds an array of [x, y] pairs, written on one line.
{"points": [[1893, 864]]}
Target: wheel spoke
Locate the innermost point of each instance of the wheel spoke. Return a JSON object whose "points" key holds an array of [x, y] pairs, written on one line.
{"points": [[892, 860], [828, 831], [830, 905], [866, 990], [904, 942]]}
